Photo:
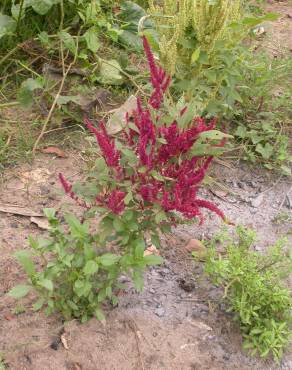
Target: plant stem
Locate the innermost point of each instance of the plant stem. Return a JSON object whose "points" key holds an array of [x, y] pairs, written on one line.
{"points": [[19, 16], [9, 104]]}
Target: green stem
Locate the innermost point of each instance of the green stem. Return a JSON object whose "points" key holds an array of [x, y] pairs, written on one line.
{"points": [[19, 16], [9, 104]]}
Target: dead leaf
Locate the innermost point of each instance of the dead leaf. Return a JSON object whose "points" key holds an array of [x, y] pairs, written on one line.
{"points": [[64, 341], [18, 210], [117, 120], [9, 317], [151, 250], [54, 150], [41, 222]]}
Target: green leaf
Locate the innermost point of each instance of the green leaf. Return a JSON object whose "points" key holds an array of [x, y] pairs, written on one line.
{"points": [[42, 6], [108, 259], [7, 25], [50, 213], [92, 40], [90, 268], [25, 93], [99, 314], [68, 41], [24, 258], [38, 304], [47, 284], [100, 164], [138, 280], [155, 240], [110, 72], [139, 248], [151, 259], [214, 135], [254, 21], [19, 291], [241, 132], [128, 198], [160, 216], [77, 229], [195, 55], [265, 150], [118, 225], [65, 99]]}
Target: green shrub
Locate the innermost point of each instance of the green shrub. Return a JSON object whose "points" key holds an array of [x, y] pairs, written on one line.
{"points": [[80, 267], [254, 289]]}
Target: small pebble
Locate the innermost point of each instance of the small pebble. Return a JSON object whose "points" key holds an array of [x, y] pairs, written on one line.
{"points": [[160, 312]]}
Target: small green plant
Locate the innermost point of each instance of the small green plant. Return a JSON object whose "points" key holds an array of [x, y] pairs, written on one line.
{"points": [[81, 267], [254, 288]]}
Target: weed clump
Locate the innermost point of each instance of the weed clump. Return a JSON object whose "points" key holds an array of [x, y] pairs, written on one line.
{"points": [[255, 290]]}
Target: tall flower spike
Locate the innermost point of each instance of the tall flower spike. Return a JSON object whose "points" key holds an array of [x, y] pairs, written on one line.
{"points": [[160, 81], [107, 146]]}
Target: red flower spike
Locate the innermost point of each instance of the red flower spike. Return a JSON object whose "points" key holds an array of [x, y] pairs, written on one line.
{"points": [[212, 207], [159, 80], [68, 190], [116, 201], [107, 146], [167, 158]]}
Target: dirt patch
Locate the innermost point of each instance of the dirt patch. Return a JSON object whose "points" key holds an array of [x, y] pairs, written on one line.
{"points": [[278, 33], [165, 327]]}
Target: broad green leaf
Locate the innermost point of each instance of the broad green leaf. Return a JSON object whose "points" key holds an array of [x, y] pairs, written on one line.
{"points": [[214, 135], [38, 304], [118, 225], [19, 291], [92, 40], [65, 99], [108, 259], [110, 72], [68, 41], [77, 229], [139, 248], [24, 258], [7, 25], [25, 93], [100, 164], [42, 6], [254, 21], [152, 260], [131, 39], [265, 150], [99, 314], [90, 268], [46, 283], [128, 198]]}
